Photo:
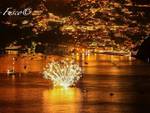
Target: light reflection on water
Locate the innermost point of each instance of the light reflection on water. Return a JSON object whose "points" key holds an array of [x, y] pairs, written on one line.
{"points": [[108, 86], [36, 63], [62, 100]]}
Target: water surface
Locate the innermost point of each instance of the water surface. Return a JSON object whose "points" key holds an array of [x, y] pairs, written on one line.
{"points": [[111, 84]]}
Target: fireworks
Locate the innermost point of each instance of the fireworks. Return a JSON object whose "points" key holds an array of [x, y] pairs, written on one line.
{"points": [[63, 73]]}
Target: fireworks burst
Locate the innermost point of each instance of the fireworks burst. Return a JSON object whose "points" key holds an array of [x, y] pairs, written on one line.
{"points": [[63, 73]]}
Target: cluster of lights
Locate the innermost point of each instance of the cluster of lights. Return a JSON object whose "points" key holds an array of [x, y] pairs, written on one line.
{"points": [[41, 23], [94, 20], [113, 17], [63, 73]]}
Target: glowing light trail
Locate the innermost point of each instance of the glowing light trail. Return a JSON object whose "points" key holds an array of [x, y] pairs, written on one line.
{"points": [[63, 73]]}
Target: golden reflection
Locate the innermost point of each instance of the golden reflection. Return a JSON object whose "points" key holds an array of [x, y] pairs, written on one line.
{"points": [[28, 63], [88, 58], [77, 57], [66, 100]]}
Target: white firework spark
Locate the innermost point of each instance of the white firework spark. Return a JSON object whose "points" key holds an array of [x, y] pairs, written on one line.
{"points": [[63, 73]]}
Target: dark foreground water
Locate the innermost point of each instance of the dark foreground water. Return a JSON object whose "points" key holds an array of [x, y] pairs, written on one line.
{"points": [[110, 85]]}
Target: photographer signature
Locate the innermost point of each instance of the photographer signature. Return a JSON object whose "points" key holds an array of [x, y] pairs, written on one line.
{"points": [[13, 12]]}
